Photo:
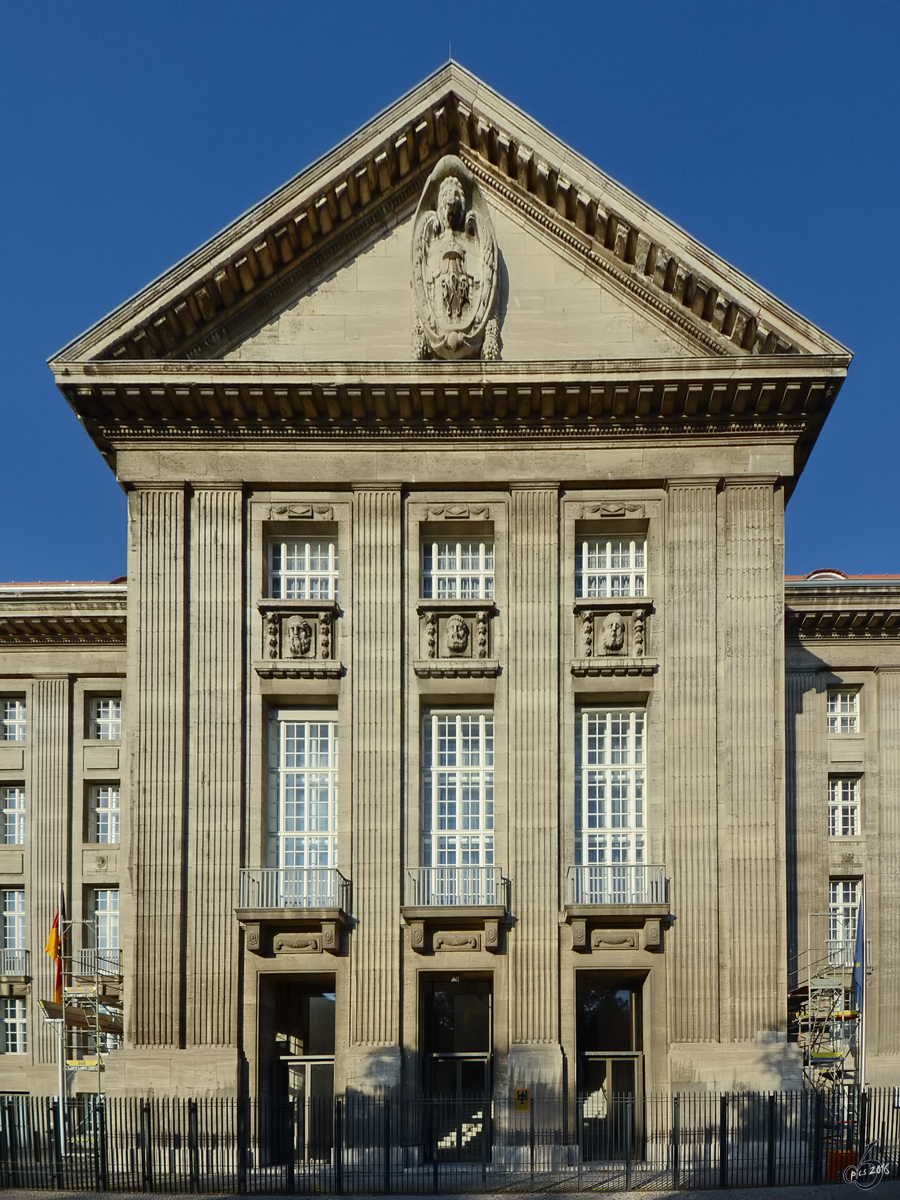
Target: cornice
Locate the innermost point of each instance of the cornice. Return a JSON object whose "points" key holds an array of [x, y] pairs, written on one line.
{"points": [[201, 305], [62, 629], [869, 614]]}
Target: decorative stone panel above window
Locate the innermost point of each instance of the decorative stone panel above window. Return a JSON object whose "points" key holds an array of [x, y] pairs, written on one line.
{"points": [[297, 639], [455, 639], [611, 636]]}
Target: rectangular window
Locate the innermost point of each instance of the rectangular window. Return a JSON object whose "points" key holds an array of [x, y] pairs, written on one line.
{"points": [[106, 719], [12, 814], [303, 793], [843, 808], [12, 919], [12, 719], [843, 909], [303, 569], [12, 1016], [458, 790], [102, 935], [611, 567], [610, 815], [843, 712], [453, 570], [104, 813]]}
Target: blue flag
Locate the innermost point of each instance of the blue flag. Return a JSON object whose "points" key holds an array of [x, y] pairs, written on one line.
{"points": [[859, 955]]}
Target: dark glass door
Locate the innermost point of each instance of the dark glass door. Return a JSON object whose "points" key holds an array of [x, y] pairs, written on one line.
{"points": [[456, 1037], [610, 1064]]}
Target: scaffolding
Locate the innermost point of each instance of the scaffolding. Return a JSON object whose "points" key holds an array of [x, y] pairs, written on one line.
{"points": [[822, 1012]]}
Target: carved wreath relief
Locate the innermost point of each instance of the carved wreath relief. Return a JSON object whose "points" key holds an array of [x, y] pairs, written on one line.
{"points": [[454, 266]]}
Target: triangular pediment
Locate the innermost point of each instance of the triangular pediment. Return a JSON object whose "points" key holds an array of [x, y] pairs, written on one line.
{"points": [[320, 271]]}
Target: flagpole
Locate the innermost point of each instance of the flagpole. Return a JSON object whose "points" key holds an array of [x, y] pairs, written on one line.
{"points": [[861, 925]]}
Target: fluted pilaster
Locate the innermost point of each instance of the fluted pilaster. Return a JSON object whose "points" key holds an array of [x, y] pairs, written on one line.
{"points": [[157, 691], [214, 765], [376, 781], [887, 919], [691, 760], [533, 758], [806, 763], [49, 841], [751, 810]]}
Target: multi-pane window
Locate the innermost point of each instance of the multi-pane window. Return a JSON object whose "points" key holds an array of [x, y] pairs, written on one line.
{"points": [[611, 567], [106, 718], [458, 790], [843, 712], [12, 719], [303, 569], [610, 816], [456, 570], [843, 909], [12, 815], [12, 919], [12, 1019], [843, 807], [303, 797], [104, 813], [103, 906]]}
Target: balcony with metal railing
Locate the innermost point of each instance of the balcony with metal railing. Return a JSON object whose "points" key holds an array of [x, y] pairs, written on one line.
{"points": [[616, 883], [294, 887], [97, 961], [14, 964], [428, 887]]}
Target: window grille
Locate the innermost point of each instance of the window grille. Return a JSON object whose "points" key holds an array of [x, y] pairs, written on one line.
{"points": [[458, 789], [13, 725], [12, 919], [843, 808], [843, 712], [610, 817], [12, 1015], [303, 792], [106, 718], [304, 569], [611, 567], [105, 812], [458, 570], [12, 810]]}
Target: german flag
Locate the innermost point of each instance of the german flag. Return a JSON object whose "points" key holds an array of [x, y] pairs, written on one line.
{"points": [[54, 949]]}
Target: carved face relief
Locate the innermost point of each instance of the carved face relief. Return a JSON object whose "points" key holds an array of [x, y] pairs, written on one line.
{"points": [[456, 634], [299, 641], [612, 636], [454, 262]]}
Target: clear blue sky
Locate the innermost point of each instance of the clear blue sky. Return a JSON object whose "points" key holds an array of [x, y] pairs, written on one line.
{"points": [[130, 133]]}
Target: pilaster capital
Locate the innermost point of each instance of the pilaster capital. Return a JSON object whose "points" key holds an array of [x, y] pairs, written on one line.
{"points": [[692, 481], [216, 485], [388, 485], [733, 481], [534, 485], [157, 485]]}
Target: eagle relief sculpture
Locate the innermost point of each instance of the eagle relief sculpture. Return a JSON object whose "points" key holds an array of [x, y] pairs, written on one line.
{"points": [[454, 260]]}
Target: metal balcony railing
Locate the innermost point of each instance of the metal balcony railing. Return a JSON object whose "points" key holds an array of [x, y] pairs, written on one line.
{"points": [[14, 962], [841, 953], [616, 883], [439, 886], [97, 962], [294, 887]]}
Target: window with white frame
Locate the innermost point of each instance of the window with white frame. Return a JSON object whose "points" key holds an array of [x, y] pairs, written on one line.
{"points": [[12, 1018], [843, 807], [843, 712], [843, 910], [104, 813], [458, 789], [103, 909], [303, 799], [610, 814], [12, 919], [12, 813], [13, 725], [457, 570], [105, 723], [303, 569], [610, 567]]}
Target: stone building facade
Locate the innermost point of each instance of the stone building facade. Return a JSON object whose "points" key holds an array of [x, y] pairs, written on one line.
{"points": [[447, 748]]}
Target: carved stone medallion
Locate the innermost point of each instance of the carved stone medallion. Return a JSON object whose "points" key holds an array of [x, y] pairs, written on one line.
{"points": [[456, 634], [454, 265]]}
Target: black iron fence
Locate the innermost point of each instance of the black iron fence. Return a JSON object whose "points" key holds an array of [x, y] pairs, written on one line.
{"points": [[356, 1143]]}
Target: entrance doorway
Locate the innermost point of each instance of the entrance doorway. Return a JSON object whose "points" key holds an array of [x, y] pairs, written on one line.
{"points": [[610, 1063], [456, 1037]]}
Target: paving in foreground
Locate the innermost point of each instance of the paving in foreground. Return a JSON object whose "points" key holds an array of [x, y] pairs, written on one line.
{"points": [[887, 1190]]}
